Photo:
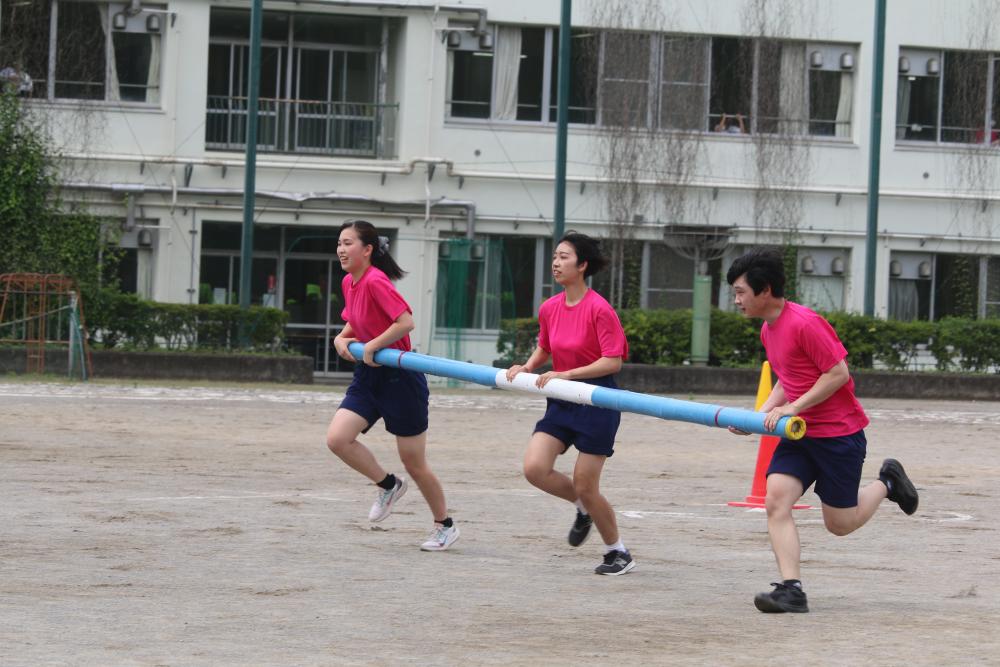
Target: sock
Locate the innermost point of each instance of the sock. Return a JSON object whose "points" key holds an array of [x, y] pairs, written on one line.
{"points": [[617, 546], [388, 482], [447, 523], [793, 582], [579, 506]]}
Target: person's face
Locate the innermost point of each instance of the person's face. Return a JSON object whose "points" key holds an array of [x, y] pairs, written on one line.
{"points": [[748, 303], [565, 270], [353, 254]]}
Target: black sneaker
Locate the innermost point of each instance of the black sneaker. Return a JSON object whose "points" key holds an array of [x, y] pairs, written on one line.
{"points": [[784, 598], [615, 563], [580, 531], [903, 492]]}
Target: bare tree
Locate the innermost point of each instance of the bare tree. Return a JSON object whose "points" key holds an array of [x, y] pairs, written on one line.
{"points": [[649, 131], [780, 155]]}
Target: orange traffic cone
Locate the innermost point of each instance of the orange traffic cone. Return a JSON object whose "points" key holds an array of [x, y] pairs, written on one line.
{"points": [[768, 443]]}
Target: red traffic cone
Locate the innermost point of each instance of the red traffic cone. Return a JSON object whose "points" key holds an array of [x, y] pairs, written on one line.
{"points": [[768, 443]]}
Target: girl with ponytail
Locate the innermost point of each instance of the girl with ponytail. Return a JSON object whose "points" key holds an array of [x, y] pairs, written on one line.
{"points": [[377, 315]]}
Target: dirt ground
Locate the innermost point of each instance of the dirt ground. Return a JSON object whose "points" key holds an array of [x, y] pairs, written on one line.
{"points": [[147, 525]]}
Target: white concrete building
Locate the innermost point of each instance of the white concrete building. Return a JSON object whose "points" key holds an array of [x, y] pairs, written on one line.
{"points": [[437, 121]]}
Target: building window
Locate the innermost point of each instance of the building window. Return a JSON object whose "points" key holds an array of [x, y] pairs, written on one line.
{"points": [[805, 88], [518, 79], [469, 283], [484, 280], [584, 52], [85, 35], [992, 296], [640, 79], [732, 82], [820, 278], [910, 286], [319, 84], [625, 90], [944, 97], [956, 286], [670, 279], [472, 84], [684, 83], [220, 264]]}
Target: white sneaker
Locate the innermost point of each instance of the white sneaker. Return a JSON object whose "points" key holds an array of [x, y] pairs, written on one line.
{"points": [[441, 538], [384, 500]]}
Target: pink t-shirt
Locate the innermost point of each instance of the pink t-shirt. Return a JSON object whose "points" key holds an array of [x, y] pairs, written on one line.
{"points": [[801, 345], [579, 335], [371, 305]]}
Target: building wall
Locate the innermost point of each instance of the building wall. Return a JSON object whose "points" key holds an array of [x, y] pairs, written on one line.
{"points": [[506, 169]]}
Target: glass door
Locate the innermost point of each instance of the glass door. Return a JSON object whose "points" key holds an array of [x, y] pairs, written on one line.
{"points": [[313, 301]]}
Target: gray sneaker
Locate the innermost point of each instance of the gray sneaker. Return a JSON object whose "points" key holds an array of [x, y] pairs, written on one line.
{"points": [[441, 538], [615, 563], [384, 500]]}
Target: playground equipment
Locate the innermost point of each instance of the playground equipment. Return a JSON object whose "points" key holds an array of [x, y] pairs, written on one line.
{"points": [[39, 311]]}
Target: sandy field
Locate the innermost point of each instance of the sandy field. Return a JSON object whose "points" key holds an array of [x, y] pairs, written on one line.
{"points": [[209, 525]]}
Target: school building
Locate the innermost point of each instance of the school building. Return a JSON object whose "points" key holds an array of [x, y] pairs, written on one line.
{"points": [[697, 129]]}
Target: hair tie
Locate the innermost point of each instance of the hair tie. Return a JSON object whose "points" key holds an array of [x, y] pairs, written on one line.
{"points": [[383, 245]]}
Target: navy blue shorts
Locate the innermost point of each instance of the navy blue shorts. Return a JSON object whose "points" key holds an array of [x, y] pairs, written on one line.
{"points": [[588, 428], [398, 396], [833, 463]]}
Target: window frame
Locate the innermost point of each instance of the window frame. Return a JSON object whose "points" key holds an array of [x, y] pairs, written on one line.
{"points": [[656, 84], [918, 58], [549, 76], [112, 7]]}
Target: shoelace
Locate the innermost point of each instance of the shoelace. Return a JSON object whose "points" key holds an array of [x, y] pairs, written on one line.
{"points": [[439, 535]]}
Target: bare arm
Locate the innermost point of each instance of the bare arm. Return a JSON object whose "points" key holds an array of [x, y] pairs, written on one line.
{"points": [[342, 340], [775, 398], [402, 326], [538, 358], [824, 387], [600, 368]]}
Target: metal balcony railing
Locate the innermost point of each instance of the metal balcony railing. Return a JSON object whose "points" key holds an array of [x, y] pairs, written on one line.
{"points": [[304, 126]]}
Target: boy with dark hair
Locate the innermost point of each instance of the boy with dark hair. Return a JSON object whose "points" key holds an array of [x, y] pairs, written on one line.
{"points": [[813, 383]]}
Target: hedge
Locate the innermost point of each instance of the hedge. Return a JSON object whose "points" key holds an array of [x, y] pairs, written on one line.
{"points": [[117, 320], [663, 337]]}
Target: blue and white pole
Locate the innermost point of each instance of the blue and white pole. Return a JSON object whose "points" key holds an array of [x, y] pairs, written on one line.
{"points": [[706, 414]]}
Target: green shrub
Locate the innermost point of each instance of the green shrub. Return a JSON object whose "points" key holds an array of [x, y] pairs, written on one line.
{"points": [[126, 321], [517, 340], [971, 345], [734, 340], [664, 337], [657, 336]]}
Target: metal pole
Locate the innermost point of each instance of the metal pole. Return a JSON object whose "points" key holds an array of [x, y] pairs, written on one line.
{"points": [[562, 120], [874, 155], [706, 414], [250, 178]]}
